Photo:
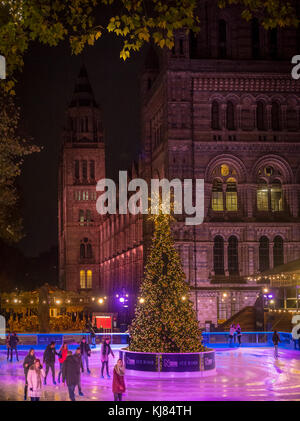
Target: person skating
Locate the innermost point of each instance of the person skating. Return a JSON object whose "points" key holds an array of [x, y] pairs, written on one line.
{"points": [[71, 373], [276, 340], [105, 352], [27, 363], [77, 356], [118, 385], [35, 380], [239, 333], [7, 343], [231, 333], [49, 360], [85, 351], [62, 355], [13, 343]]}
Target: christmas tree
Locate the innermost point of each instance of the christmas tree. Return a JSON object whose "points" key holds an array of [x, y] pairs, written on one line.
{"points": [[165, 320]]}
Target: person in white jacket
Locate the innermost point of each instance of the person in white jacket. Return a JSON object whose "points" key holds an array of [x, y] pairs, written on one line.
{"points": [[35, 378]]}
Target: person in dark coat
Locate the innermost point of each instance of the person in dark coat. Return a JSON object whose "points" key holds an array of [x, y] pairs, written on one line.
{"points": [[13, 343], [105, 352], [27, 363], [85, 351], [118, 385], [7, 342], [71, 373], [239, 333], [49, 360], [276, 340]]}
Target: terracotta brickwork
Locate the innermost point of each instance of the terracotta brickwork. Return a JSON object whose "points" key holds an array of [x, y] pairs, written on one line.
{"points": [[221, 106]]}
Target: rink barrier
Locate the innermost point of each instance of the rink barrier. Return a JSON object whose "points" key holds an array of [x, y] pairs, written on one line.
{"points": [[195, 364], [209, 339]]}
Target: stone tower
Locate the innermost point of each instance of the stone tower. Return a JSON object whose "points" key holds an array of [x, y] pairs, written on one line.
{"points": [[82, 163]]}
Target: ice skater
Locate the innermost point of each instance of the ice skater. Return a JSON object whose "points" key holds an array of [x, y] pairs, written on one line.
{"points": [[62, 355], [49, 359], [231, 334], [276, 340], [118, 385], [105, 352], [13, 343], [85, 351], [71, 373], [34, 378], [239, 333], [28, 362], [7, 341]]}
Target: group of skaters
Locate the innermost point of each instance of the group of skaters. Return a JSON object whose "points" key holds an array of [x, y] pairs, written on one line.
{"points": [[235, 334], [71, 366]]}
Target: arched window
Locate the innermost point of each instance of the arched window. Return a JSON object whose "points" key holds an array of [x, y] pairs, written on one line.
{"points": [[82, 279], [76, 170], [275, 116], [278, 251], [276, 196], [81, 216], [92, 170], [230, 124], [219, 255], [260, 115], [217, 196], [262, 196], [89, 279], [215, 116], [82, 251], [89, 251], [233, 262], [264, 258], [255, 38], [84, 169], [88, 215], [231, 195], [222, 39]]}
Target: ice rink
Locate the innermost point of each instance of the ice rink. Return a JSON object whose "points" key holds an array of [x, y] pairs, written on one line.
{"points": [[249, 374]]}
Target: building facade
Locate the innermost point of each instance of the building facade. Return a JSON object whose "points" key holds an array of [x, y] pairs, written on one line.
{"points": [[221, 106]]}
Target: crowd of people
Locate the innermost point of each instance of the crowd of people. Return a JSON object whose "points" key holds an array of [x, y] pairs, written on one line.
{"points": [[71, 366]]}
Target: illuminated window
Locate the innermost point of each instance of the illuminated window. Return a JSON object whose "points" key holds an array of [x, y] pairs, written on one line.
{"points": [[218, 255], [262, 196], [231, 195], [233, 262], [276, 196], [264, 259], [82, 279], [89, 279], [268, 171], [224, 170], [81, 217], [217, 196], [88, 216], [278, 251]]}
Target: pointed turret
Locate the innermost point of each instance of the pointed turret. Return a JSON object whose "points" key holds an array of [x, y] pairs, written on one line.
{"points": [[84, 122]]}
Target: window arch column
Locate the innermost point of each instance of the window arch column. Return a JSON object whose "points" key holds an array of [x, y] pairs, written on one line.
{"points": [[226, 258], [271, 254]]}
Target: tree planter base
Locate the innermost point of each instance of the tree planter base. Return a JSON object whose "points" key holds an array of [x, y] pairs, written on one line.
{"points": [[170, 365]]}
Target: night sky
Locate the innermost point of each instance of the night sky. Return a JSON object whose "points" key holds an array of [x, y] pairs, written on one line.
{"points": [[44, 91]]}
